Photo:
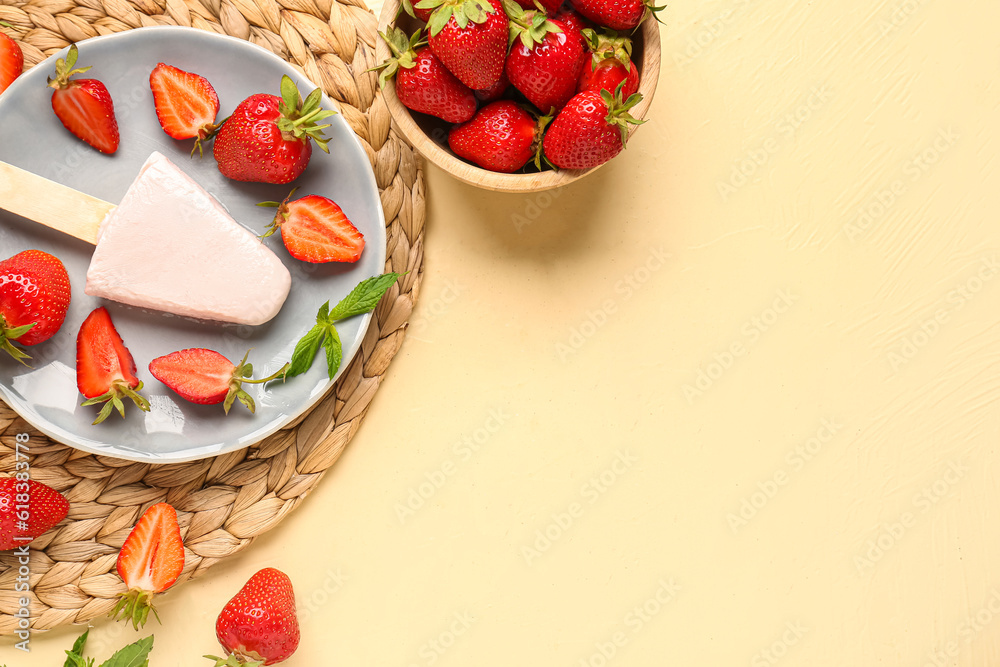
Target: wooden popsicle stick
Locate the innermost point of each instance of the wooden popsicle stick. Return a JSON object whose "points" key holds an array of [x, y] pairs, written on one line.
{"points": [[51, 204]]}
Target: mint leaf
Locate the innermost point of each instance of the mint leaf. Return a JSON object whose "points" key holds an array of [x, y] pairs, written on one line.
{"points": [[364, 297], [133, 655], [334, 352], [305, 350], [74, 656]]}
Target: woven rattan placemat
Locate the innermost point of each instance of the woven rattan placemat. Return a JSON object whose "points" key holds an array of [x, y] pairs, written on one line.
{"points": [[223, 502]]}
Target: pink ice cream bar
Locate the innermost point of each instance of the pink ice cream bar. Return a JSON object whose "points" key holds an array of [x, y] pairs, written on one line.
{"points": [[168, 246]]}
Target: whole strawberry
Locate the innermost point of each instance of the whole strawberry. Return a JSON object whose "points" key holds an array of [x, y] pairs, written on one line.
{"points": [[11, 61], [259, 626], [545, 59], [550, 6], [268, 139], [423, 83], [419, 13], [590, 130], [495, 92], [84, 106], [34, 298], [610, 63], [616, 14], [22, 519], [470, 38], [570, 18], [501, 137]]}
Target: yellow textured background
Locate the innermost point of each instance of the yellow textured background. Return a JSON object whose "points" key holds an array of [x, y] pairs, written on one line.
{"points": [[744, 379]]}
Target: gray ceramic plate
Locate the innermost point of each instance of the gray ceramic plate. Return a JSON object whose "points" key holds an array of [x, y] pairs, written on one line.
{"points": [[32, 137]]}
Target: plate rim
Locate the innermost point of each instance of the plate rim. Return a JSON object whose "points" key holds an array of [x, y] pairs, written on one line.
{"points": [[59, 435]]}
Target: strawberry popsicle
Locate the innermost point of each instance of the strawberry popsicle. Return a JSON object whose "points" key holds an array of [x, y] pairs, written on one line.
{"points": [[170, 246]]}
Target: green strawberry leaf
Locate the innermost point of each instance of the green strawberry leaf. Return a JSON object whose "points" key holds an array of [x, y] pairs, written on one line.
{"points": [[364, 297], [133, 655], [439, 19], [312, 102], [289, 93]]}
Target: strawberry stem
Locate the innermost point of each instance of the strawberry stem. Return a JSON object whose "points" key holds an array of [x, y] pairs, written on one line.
{"points": [[235, 660], [8, 334], [134, 607], [241, 375], [280, 216], [112, 400], [64, 69]]}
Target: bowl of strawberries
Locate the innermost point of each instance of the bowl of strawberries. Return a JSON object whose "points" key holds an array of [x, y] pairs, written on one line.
{"points": [[518, 95]]}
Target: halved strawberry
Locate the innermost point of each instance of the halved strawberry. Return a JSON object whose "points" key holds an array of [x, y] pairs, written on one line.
{"points": [[105, 370], [11, 61], [186, 104], [84, 106], [206, 377], [149, 563], [315, 229]]}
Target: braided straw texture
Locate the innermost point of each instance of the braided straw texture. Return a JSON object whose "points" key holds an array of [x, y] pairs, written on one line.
{"points": [[224, 502]]}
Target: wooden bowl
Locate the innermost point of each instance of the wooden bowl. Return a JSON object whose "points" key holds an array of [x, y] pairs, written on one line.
{"points": [[429, 135]]}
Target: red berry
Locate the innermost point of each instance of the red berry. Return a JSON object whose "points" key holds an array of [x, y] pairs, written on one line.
{"points": [[550, 6], [11, 61], [473, 49], [259, 623], [34, 293], [315, 229], [186, 103], [616, 14], [206, 377], [267, 138], [493, 93], [590, 130], [501, 137], [423, 83], [105, 370], [45, 508], [150, 561], [607, 75], [84, 106], [609, 64], [545, 59]]}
